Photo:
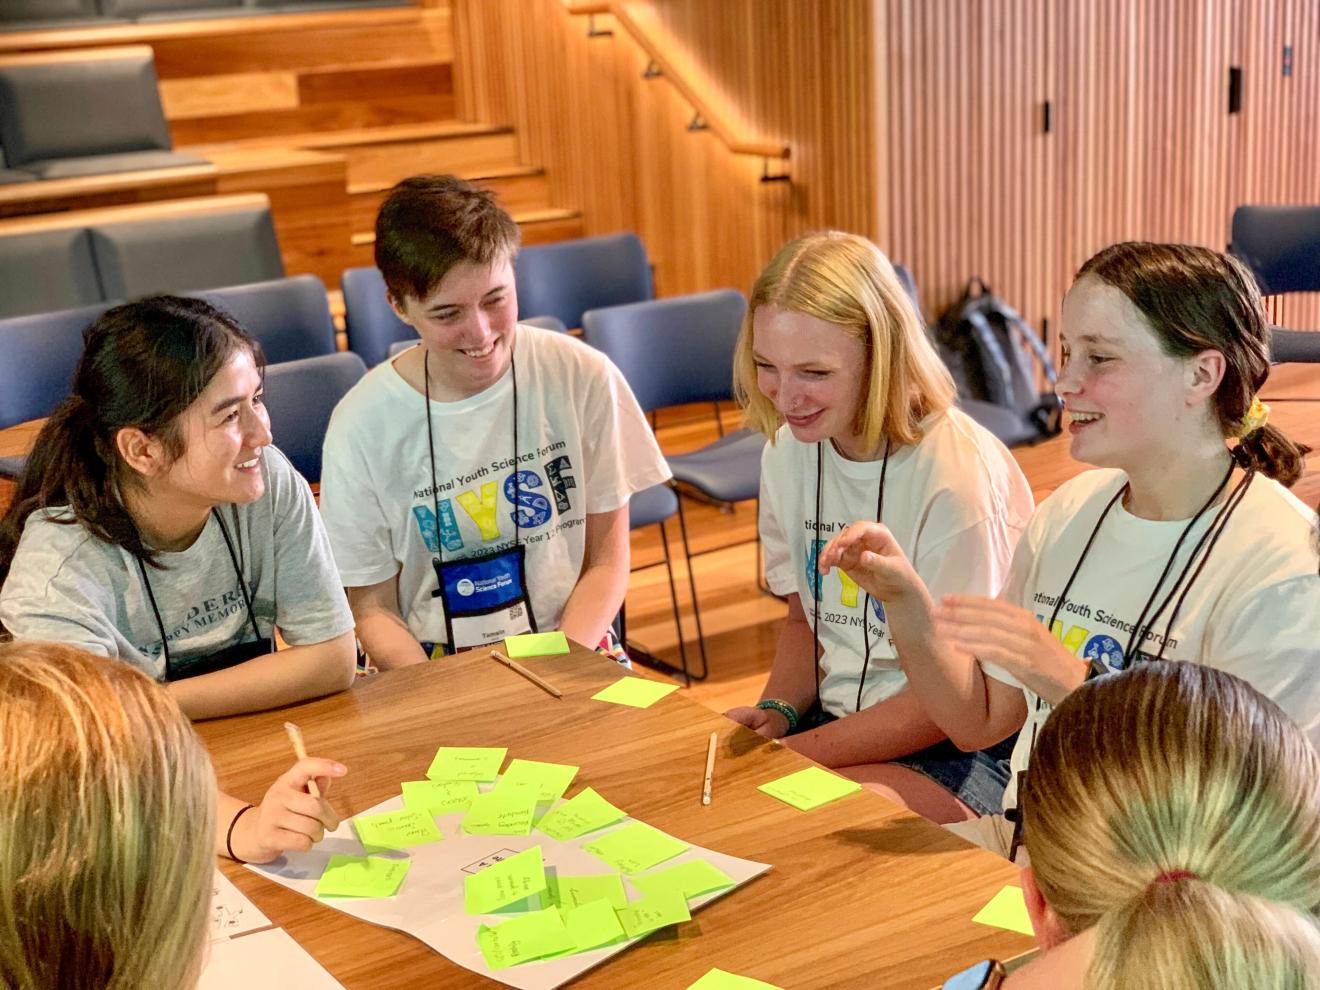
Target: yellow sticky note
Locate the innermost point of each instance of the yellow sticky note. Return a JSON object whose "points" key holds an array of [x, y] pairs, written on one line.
{"points": [[362, 876], [522, 939], [584, 812], [1007, 909], [635, 847], [552, 779], [536, 645], [650, 913], [571, 892], [635, 692], [810, 788], [466, 763], [507, 810], [718, 979], [513, 879], [592, 925], [396, 829], [691, 879], [439, 797]]}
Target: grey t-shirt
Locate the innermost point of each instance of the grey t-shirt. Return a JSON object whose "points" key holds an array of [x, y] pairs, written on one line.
{"points": [[68, 586]]}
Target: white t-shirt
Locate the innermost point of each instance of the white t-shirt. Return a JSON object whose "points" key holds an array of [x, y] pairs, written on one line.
{"points": [[956, 503], [584, 447], [68, 586], [1253, 610]]}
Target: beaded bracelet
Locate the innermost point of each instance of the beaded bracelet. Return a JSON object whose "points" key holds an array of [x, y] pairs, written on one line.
{"points": [[783, 708], [229, 836]]}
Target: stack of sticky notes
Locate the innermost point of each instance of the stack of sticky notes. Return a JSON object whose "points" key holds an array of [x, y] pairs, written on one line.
{"points": [[536, 645], [635, 692], [809, 789], [510, 807]]}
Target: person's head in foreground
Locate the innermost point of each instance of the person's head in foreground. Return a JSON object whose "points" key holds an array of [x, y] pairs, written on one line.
{"points": [[1172, 815], [106, 804]]}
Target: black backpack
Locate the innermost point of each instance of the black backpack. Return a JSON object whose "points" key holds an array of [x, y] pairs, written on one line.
{"points": [[989, 348]]}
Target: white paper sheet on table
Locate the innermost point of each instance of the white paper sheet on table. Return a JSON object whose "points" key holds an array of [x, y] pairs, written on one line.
{"points": [[269, 960], [429, 905], [232, 913]]}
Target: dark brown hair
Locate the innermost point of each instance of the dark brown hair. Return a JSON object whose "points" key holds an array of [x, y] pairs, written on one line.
{"points": [[430, 223], [142, 365], [1196, 299]]}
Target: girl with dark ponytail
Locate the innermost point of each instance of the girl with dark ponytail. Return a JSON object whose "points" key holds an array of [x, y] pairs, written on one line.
{"points": [[155, 523], [1185, 545]]}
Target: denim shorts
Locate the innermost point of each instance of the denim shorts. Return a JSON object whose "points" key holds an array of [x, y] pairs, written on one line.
{"points": [[976, 779]]}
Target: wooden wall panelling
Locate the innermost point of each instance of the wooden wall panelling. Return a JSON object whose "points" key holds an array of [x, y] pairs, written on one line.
{"points": [[616, 147], [1276, 137], [970, 187]]}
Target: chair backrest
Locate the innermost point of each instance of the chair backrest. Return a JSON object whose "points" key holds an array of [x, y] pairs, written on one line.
{"points": [[672, 351], [1281, 246], [99, 103], [37, 357], [300, 396], [909, 285], [289, 316], [566, 279], [205, 250], [368, 317], [47, 270], [20, 11]]}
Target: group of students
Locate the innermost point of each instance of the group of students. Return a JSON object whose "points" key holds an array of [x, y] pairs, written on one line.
{"points": [[477, 485]]}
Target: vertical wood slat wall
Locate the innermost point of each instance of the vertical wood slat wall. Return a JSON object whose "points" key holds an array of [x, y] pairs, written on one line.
{"points": [[919, 122]]}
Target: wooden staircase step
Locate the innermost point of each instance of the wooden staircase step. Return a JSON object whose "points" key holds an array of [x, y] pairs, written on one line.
{"points": [[519, 188]]}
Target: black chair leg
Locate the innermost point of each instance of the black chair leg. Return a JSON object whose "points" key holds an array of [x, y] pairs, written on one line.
{"points": [[692, 590]]}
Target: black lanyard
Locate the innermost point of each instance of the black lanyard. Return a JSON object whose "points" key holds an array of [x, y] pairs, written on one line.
{"points": [[238, 571], [818, 580], [430, 450]]}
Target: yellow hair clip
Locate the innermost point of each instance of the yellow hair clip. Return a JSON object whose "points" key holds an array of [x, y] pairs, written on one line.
{"points": [[1257, 416]]}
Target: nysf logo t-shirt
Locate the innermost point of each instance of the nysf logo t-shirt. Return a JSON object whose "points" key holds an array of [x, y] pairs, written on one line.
{"points": [[1251, 610]]}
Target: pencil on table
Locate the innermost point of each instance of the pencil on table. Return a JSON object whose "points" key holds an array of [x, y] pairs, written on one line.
{"points": [[300, 750], [710, 768], [520, 669]]}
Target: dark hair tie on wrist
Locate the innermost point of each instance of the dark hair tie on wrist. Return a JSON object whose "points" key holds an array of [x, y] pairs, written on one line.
{"points": [[229, 836]]}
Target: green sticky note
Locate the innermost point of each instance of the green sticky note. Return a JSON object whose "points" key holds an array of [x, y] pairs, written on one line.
{"points": [[635, 847], [810, 788], [691, 879], [650, 913], [592, 924], [362, 876], [507, 810], [536, 645], [571, 892], [396, 829], [502, 883], [1007, 909], [635, 692], [520, 940], [552, 778], [466, 763], [584, 812], [439, 797], [718, 979]]}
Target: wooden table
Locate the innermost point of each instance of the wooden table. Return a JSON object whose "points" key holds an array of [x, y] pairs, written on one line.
{"points": [[862, 893]]}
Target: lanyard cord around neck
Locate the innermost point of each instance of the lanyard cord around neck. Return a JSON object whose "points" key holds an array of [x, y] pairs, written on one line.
{"points": [[1142, 626], [430, 450], [238, 571], [818, 579]]}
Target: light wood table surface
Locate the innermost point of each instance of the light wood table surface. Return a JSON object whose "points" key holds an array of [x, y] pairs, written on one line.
{"points": [[862, 893]]}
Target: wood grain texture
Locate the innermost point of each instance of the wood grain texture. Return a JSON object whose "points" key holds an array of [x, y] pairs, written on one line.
{"points": [[849, 903]]}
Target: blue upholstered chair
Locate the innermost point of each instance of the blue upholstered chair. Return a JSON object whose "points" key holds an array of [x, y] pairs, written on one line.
{"points": [[370, 321], [568, 278], [300, 396], [206, 250], [37, 357], [289, 316], [676, 351], [1281, 246], [85, 117], [47, 270]]}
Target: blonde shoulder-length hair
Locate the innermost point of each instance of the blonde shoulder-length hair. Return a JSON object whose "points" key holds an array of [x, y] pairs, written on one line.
{"points": [[107, 808], [846, 280], [1176, 811]]}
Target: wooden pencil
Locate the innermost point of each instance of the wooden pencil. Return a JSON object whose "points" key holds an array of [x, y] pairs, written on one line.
{"points": [[518, 668]]}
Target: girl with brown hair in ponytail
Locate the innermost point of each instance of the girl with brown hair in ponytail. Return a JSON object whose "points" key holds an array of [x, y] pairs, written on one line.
{"points": [[1184, 545]]}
